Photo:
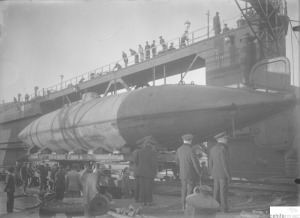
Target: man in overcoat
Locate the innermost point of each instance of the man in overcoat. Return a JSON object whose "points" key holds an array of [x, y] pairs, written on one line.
{"points": [[146, 168], [10, 190], [217, 24], [189, 167], [219, 170], [74, 182]]}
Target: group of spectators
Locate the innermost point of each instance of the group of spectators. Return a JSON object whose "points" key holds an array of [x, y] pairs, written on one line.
{"points": [[62, 180], [73, 183], [147, 52]]}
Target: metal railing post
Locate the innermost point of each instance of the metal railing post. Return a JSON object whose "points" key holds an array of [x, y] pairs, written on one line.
{"points": [[192, 37]]}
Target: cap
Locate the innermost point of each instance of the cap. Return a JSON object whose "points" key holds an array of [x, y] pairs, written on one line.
{"points": [[187, 137], [220, 135]]}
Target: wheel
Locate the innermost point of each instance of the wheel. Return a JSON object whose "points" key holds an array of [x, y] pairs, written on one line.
{"points": [[109, 196], [99, 205]]}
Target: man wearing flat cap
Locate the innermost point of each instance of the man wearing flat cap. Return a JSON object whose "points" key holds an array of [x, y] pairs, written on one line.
{"points": [[189, 167], [219, 170]]}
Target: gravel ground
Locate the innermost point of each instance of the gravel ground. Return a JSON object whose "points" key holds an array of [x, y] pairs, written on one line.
{"points": [[243, 203]]}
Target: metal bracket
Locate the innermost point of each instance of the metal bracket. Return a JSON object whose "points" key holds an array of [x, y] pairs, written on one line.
{"points": [[187, 70], [114, 83]]}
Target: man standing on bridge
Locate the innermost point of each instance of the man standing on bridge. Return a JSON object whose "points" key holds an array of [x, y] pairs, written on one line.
{"points": [[124, 56], [189, 167], [216, 23]]}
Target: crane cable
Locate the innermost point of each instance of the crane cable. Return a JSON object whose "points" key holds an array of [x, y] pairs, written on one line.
{"points": [[292, 55]]}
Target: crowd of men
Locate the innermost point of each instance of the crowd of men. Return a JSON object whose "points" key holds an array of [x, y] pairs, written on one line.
{"points": [[73, 183], [150, 51], [190, 171], [66, 181]]}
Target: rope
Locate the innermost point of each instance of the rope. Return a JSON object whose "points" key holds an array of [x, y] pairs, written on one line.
{"points": [[294, 33], [292, 55], [232, 18]]}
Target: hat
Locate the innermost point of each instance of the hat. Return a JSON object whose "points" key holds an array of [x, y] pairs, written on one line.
{"points": [[220, 135], [187, 137]]}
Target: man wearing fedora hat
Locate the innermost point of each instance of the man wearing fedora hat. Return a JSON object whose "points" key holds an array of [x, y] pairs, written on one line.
{"points": [[189, 167], [219, 170]]}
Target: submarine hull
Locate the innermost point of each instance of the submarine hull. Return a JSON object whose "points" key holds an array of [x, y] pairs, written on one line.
{"points": [[166, 112]]}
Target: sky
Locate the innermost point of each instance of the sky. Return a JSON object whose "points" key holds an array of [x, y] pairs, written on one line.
{"points": [[42, 40]]}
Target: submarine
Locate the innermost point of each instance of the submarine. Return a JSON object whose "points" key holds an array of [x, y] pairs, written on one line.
{"points": [[165, 112]]}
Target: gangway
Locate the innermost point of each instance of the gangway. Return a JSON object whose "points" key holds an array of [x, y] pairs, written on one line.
{"points": [[220, 55]]}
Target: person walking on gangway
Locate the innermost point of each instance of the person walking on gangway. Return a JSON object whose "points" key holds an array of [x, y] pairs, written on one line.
{"points": [[124, 56], [216, 23], [136, 56]]}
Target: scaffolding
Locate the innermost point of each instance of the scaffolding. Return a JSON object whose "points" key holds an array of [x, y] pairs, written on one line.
{"points": [[268, 21]]}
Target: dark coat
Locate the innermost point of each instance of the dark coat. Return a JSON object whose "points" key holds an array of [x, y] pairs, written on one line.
{"points": [[42, 171], [60, 179], [146, 162], [134, 154], [217, 24], [189, 167], [24, 173], [10, 183], [219, 163], [73, 181]]}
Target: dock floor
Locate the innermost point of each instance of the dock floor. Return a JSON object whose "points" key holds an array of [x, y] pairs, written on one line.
{"points": [[242, 202]]}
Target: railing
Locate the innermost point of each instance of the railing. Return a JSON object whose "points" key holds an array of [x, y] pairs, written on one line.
{"points": [[193, 37]]}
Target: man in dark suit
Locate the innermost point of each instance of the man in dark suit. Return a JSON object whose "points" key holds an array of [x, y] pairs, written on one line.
{"points": [[219, 170], [73, 182], [216, 23], [146, 168], [10, 190], [24, 177], [189, 167], [139, 144]]}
